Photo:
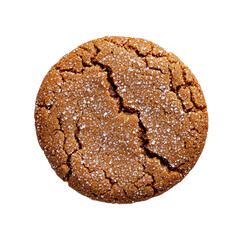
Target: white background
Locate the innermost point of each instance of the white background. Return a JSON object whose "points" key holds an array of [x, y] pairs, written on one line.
{"points": [[35, 203]]}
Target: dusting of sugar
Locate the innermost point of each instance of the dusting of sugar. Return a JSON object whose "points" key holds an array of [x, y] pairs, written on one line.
{"points": [[122, 106]]}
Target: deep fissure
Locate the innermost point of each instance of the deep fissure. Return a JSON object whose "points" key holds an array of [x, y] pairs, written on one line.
{"points": [[128, 110]]}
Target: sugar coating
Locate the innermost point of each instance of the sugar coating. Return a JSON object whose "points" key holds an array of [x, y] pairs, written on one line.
{"points": [[121, 119]]}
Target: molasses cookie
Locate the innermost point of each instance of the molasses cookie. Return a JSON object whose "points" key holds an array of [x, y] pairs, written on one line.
{"points": [[120, 119]]}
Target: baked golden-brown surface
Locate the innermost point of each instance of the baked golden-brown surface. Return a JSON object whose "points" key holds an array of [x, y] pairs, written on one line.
{"points": [[121, 119]]}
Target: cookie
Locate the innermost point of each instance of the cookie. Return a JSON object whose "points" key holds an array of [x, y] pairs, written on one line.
{"points": [[120, 119]]}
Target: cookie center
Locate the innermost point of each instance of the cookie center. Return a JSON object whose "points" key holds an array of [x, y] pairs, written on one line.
{"points": [[128, 115]]}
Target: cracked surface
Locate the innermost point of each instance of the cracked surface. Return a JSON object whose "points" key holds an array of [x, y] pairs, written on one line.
{"points": [[120, 119]]}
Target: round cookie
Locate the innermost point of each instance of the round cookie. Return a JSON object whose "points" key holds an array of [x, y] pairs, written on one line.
{"points": [[120, 119]]}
